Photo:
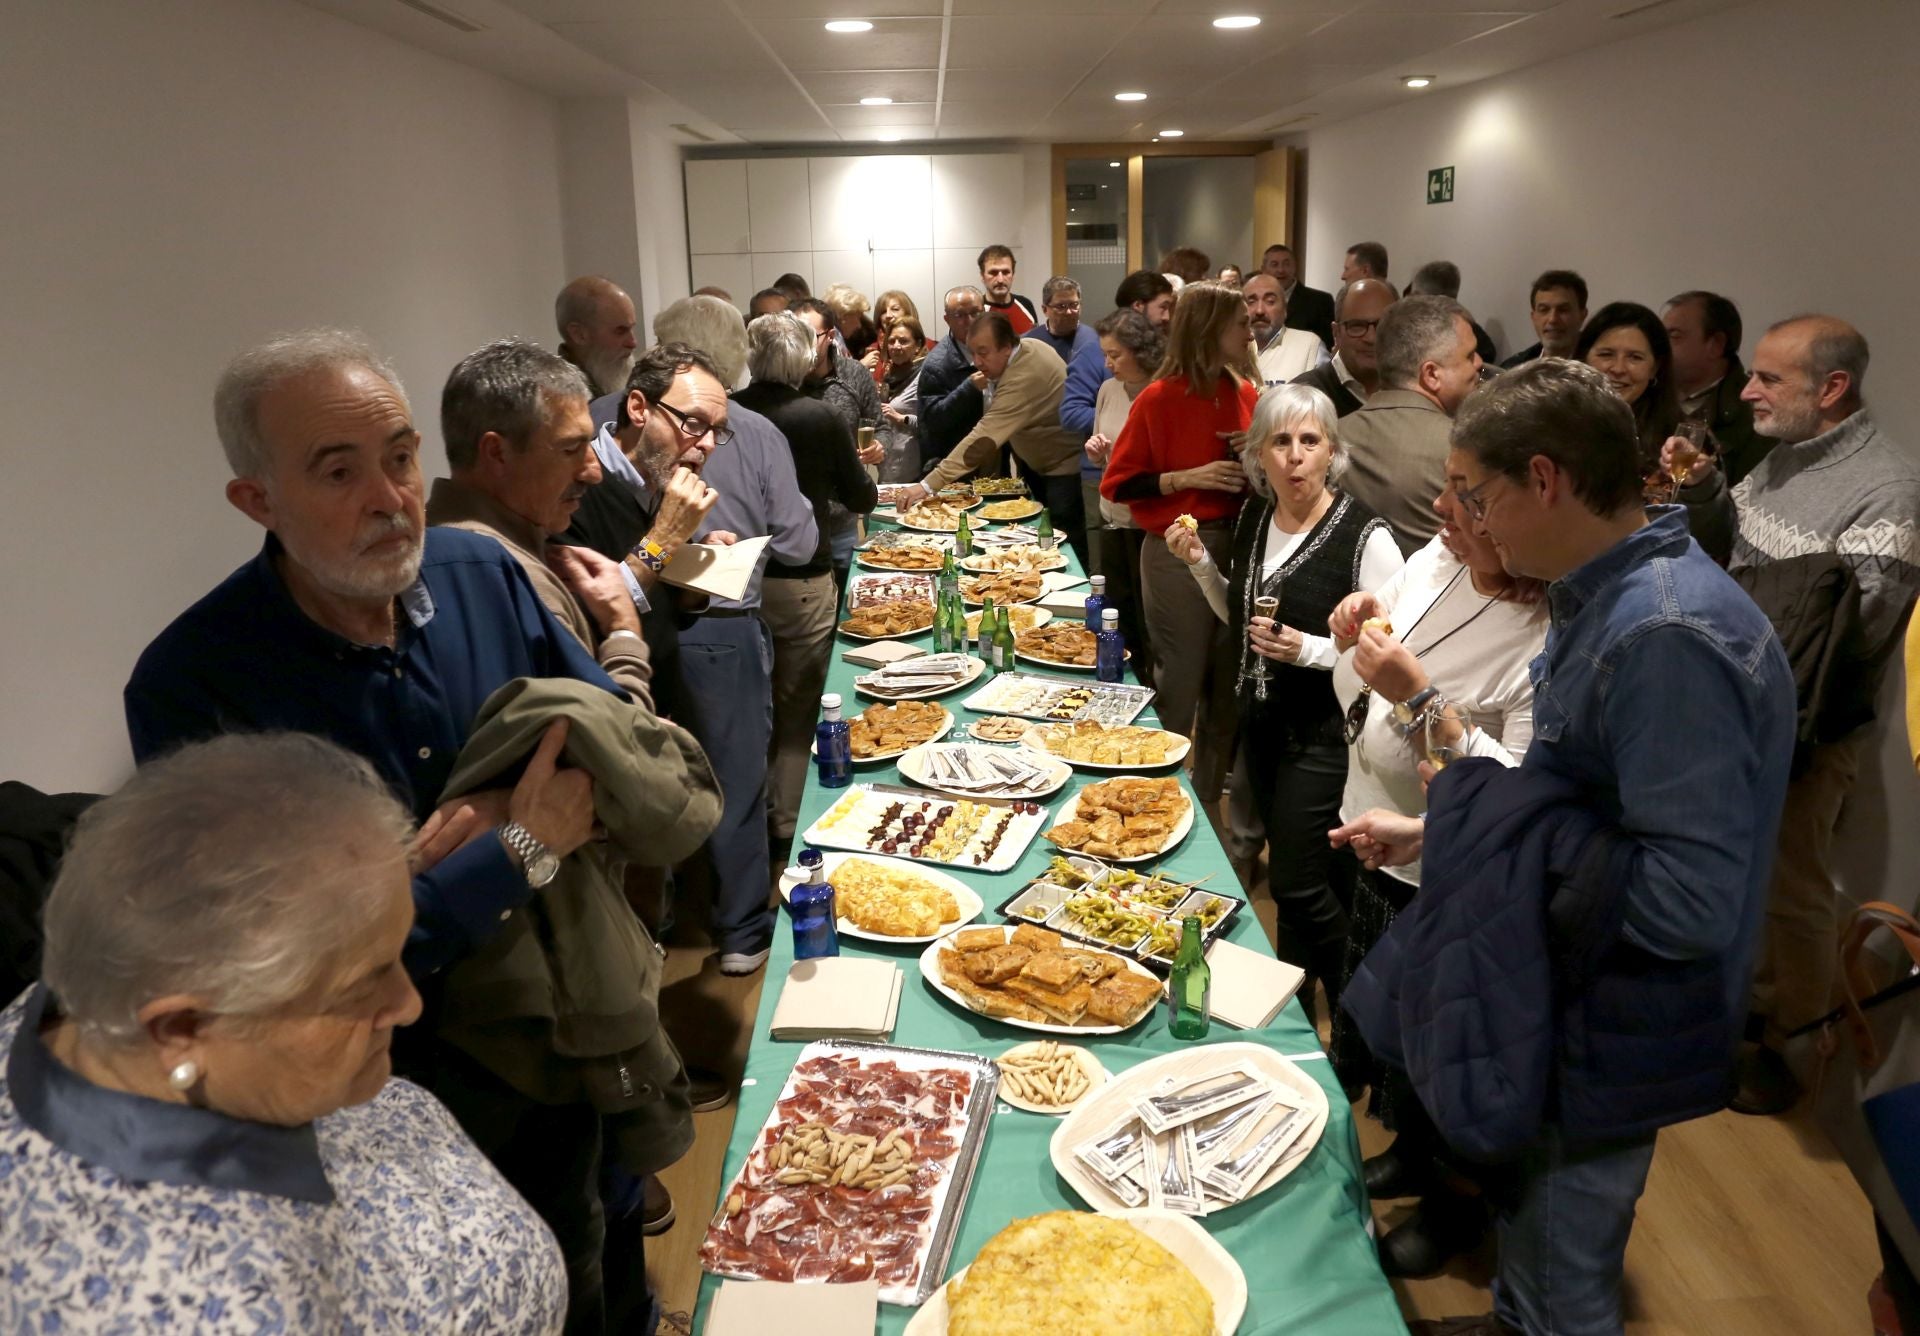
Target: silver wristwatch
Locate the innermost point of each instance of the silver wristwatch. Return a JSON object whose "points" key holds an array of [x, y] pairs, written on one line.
{"points": [[536, 860]]}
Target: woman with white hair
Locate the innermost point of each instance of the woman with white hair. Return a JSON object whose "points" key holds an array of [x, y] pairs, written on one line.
{"points": [[199, 1124], [1297, 539]]}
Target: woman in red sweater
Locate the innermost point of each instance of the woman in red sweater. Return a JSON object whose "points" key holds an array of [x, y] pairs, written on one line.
{"points": [[1174, 458]]}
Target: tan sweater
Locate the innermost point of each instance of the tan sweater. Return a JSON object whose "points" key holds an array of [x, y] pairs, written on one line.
{"points": [[458, 505], [1025, 413]]}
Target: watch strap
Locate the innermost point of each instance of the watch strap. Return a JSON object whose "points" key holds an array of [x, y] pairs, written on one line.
{"points": [[519, 839]]}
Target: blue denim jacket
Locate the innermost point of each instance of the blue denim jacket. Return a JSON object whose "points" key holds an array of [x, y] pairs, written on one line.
{"points": [[1664, 693]]}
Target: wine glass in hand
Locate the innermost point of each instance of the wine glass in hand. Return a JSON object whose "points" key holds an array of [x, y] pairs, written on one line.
{"points": [[1446, 732], [1265, 605]]}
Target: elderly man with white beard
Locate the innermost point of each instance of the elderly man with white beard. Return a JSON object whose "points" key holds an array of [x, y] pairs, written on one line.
{"points": [[595, 318], [358, 623]]}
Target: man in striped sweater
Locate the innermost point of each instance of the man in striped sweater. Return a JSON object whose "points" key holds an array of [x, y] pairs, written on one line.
{"points": [[1827, 547]]}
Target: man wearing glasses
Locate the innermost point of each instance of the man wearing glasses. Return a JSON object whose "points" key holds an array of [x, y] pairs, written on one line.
{"points": [[1060, 324], [1353, 373]]}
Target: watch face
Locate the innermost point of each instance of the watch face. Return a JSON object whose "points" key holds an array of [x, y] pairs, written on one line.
{"points": [[543, 869]]}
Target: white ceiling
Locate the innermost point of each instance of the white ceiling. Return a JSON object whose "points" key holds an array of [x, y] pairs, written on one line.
{"points": [[768, 72]]}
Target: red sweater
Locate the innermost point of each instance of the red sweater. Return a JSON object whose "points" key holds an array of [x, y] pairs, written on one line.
{"points": [[1167, 429]]}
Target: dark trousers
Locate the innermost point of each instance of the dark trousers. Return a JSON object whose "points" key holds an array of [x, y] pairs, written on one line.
{"points": [[1116, 556], [549, 1153], [1299, 795], [1061, 497], [727, 662]]}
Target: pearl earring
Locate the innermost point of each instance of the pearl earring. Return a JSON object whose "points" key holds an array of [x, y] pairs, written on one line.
{"points": [[185, 1076]]}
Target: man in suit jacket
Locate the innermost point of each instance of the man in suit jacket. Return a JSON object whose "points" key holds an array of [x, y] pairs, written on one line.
{"points": [[1307, 308], [950, 402], [1022, 382], [1353, 372]]}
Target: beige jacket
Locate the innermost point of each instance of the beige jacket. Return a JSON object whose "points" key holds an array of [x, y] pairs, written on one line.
{"points": [[1025, 413], [1396, 447], [459, 506]]}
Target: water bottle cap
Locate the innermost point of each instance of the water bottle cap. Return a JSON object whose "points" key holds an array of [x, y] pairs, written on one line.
{"points": [[811, 857], [830, 701], [1099, 583], [1110, 618]]}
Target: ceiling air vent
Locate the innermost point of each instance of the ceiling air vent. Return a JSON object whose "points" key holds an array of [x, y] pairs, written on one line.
{"points": [[446, 16]]}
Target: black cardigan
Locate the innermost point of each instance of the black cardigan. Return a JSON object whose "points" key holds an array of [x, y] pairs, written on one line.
{"points": [[823, 458]]}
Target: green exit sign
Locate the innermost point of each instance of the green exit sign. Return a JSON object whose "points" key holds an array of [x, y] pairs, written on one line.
{"points": [[1440, 185]]}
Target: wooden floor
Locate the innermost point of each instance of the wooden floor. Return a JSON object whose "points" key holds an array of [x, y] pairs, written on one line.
{"points": [[1749, 1226]]}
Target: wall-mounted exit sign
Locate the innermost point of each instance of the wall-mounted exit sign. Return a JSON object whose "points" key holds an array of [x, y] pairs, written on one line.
{"points": [[1440, 185]]}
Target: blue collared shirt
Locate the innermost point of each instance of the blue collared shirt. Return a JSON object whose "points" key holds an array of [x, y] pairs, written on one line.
{"points": [[245, 658], [759, 493], [1664, 693], [618, 468]]}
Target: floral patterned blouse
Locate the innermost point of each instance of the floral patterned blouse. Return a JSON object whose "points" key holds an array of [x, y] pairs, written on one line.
{"points": [[120, 1214]]}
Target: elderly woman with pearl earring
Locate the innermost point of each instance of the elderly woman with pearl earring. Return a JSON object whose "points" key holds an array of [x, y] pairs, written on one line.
{"points": [[198, 1123]]}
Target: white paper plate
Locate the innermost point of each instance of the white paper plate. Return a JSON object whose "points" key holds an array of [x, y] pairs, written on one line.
{"points": [[1070, 812], [1020, 832], [1097, 1076], [930, 971], [1027, 510], [1175, 754], [1094, 1114], [969, 902], [864, 558], [973, 731], [1212, 1265], [973, 602], [974, 668], [914, 767], [813, 748], [897, 635], [928, 528], [981, 564], [1063, 665]]}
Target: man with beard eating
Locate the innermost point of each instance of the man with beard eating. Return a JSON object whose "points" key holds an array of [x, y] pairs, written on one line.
{"points": [[595, 318]]}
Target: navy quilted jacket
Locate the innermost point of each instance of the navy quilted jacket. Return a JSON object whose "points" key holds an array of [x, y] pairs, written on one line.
{"points": [[1507, 992]]}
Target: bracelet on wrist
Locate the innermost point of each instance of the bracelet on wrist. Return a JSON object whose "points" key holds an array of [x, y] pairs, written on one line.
{"points": [[651, 555]]}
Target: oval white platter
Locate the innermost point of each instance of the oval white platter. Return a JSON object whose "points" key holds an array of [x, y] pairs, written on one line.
{"points": [[897, 635], [1181, 829], [930, 971], [814, 747], [1040, 618], [1097, 1076], [1212, 1265], [1093, 1115], [914, 766], [974, 668], [1025, 511], [969, 902], [985, 563], [973, 731], [1175, 754], [863, 557], [973, 601], [1063, 665]]}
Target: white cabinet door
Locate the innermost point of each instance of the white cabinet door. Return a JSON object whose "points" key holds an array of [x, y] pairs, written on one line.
{"points": [[769, 265], [777, 205], [854, 267], [882, 201], [910, 271], [957, 268], [977, 200], [717, 221], [734, 273]]}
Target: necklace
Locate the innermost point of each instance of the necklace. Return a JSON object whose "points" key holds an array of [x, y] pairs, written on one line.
{"points": [[1404, 718]]}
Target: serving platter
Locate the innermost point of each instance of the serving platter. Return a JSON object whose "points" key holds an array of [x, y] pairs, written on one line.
{"points": [[969, 902], [990, 563], [922, 765], [930, 971], [1011, 511], [842, 629], [1182, 827], [872, 684], [1059, 699], [813, 748], [1212, 1265], [873, 559], [1176, 752], [1096, 1073], [852, 821]]}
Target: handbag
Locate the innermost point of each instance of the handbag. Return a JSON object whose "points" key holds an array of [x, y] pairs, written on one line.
{"points": [[1862, 1063]]}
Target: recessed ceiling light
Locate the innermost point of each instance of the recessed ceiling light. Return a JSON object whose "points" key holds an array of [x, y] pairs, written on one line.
{"points": [[1171, 134], [1113, 164], [849, 25], [876, 102], [1129, 97], [890, 137], [1417, 80], [1237, 21]]}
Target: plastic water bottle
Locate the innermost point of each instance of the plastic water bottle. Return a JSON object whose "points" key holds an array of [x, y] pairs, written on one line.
{"points": [[1110, 648], [834, 742], [815, 931], [1096, 602]]}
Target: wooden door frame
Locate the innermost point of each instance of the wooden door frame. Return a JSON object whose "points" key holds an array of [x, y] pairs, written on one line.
{"points": [[1134, 154]]}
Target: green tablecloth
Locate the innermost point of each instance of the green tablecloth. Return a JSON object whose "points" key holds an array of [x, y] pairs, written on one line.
{"points": [[1309, 1263]]}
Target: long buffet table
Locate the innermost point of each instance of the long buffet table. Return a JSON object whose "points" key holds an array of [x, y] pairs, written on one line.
{"points": [[1309, 1263]]}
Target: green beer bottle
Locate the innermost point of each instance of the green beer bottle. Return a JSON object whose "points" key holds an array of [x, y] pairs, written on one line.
{"points": [[986, 631], [963, 537], [1003, 641], [1190, 990]]}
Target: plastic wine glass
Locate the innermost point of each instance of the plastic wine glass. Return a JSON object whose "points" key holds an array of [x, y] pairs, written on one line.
{"points": [[1691, 441], [1265, 605], [1447, 728]]}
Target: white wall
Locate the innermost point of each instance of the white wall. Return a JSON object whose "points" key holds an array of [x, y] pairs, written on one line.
{"points": [[182, 178], [1764, 152]]}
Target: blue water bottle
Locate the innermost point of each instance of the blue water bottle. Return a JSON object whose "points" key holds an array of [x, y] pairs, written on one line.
{"points": [[834, 743], [1096, 602], [1110, 648], [814, 931]]}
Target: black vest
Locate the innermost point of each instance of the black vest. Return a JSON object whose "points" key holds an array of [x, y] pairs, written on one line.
{"points": [[1300, 708]]}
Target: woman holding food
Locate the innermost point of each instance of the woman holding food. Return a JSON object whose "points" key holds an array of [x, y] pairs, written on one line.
{"points": [[1451, 629], [899, 380], [1172, 461], [1302, 542], [1133, 349]]}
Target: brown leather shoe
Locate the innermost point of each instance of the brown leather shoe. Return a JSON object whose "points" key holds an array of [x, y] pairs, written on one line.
{"points": [[1767, 1085]]}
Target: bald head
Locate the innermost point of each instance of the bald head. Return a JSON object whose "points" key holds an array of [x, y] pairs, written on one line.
{"points": [[595, 318], [1807, 376]]}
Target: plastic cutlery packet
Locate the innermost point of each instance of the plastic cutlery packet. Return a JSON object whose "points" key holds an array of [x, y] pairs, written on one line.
{"points": [[1243, 1160], [1176, 1101]]}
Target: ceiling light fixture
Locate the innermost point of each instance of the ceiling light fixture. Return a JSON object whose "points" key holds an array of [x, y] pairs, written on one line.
{"points": [[1171, 134], [876, 102], [1237, 21], [888, 138], [1417, 80], [1129, 97], [1113, 164], [849, 25]]}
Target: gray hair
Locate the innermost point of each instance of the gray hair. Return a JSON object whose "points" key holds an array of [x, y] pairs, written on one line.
{"points": [[1435, 278], [978, 295], [1280, 407], [1832, 345], [1415, 330], [780, 348], [234, 870], [713, 326], [255, 373], [507, 387]]}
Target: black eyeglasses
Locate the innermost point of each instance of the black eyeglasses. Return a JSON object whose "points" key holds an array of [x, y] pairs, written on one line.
{"points": [[1358, 329], [1356, 716], [693, 428]]}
